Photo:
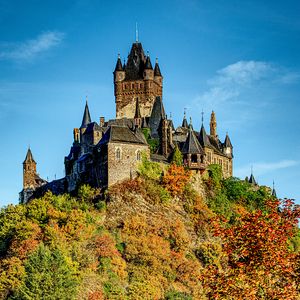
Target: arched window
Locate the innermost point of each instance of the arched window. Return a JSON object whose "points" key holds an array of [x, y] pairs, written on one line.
{"points": [[118, 154], [138, 155]]}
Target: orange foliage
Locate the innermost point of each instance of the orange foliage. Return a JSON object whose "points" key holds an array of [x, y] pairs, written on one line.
{"points": [[175, 179], [260, 266], [98, 295]]}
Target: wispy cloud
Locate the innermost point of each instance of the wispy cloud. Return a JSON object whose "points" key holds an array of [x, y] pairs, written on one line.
{"points": [[232, 80], [30, 49], [261, 168], [244, 88]]}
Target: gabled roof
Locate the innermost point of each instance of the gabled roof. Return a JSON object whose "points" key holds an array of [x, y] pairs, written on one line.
{"points": [[135, 63], [86, 116], [157, 114], [192, 145], [121, 134], [29, 157], [227, 142], [203, 138], [157, 69]]}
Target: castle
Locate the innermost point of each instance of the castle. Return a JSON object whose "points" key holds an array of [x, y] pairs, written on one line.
{"points": [[110, 151]]}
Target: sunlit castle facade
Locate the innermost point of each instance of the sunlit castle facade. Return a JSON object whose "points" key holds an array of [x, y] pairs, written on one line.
{"points": [[110, 151]]}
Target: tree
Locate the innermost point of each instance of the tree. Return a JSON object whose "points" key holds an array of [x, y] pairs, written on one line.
{"points": [[260, 265], [177, 157], [48, 276], [176, 179]]}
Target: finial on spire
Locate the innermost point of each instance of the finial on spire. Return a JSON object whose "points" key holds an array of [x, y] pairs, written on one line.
{"points": [[184, 112], [251, 169], [119, 56], [148, 53], [202, 117], [170, 115], [136, 32], [273, 184], [190, 120], [156, 60]]}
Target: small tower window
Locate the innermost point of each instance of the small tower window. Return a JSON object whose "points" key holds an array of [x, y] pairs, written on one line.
{"points": [[138, 155], [194, 158], [118, 154]]}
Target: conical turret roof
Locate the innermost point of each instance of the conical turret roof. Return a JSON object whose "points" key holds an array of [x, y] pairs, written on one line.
{"points": [[227, 142], [148, 65], [203, 138], [157, 69], [86, 116], [192, 145], [119, 66], [184, 121]]}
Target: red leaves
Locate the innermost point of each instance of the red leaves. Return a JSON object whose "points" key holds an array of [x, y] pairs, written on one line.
{"points": [[259, 261]]}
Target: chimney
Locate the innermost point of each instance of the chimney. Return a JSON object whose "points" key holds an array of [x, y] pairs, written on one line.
{"points": [[102, 121]]}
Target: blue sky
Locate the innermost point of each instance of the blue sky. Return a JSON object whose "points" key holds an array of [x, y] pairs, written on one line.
{"points": [[240, 58]]}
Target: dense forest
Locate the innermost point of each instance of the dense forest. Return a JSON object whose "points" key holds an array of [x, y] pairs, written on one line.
{"points": [[167, 234]]}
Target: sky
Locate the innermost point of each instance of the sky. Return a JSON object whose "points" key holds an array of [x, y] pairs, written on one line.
{"points": [[238, 58]]}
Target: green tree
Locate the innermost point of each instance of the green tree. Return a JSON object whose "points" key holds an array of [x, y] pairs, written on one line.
{"points": [[177, 157], [48, 276]]}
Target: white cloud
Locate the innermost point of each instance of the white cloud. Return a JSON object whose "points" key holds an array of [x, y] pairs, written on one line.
{"points": [[261, 168], [30, 49], [230, 82]]}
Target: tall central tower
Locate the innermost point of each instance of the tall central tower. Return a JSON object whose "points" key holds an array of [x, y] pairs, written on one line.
{"points": [[136, 80]]}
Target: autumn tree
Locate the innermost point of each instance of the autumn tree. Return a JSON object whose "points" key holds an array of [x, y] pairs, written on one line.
{"points": [[260, 265], [175, 179]]}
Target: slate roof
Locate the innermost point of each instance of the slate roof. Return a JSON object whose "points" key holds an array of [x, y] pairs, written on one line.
{"points": [[184, 122], [227, 142], [119, 66], [93, 127], [157, 114], [157, 70], [203, 138], [86, 116], [192, 145], [29, 157], [121, 134], [148, 65], [252, 180], [135, 63]]}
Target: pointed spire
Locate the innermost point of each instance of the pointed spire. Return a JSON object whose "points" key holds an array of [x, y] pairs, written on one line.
{"points": [[137, 110], [191, 124], [29, 157], [252, 179], [213, 125], [136, 33], [148, 65], [274, 194], [203, 138], [119, 66], [86, 116], [184, 121], [157, 69], [227, 142]]}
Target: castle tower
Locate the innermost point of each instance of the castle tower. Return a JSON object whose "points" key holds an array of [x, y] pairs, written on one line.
{"points": [[213, 125], [29, 171], [136, 78]]}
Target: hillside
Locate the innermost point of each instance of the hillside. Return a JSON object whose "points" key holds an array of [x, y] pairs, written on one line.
{"points": [[170, 236]]}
